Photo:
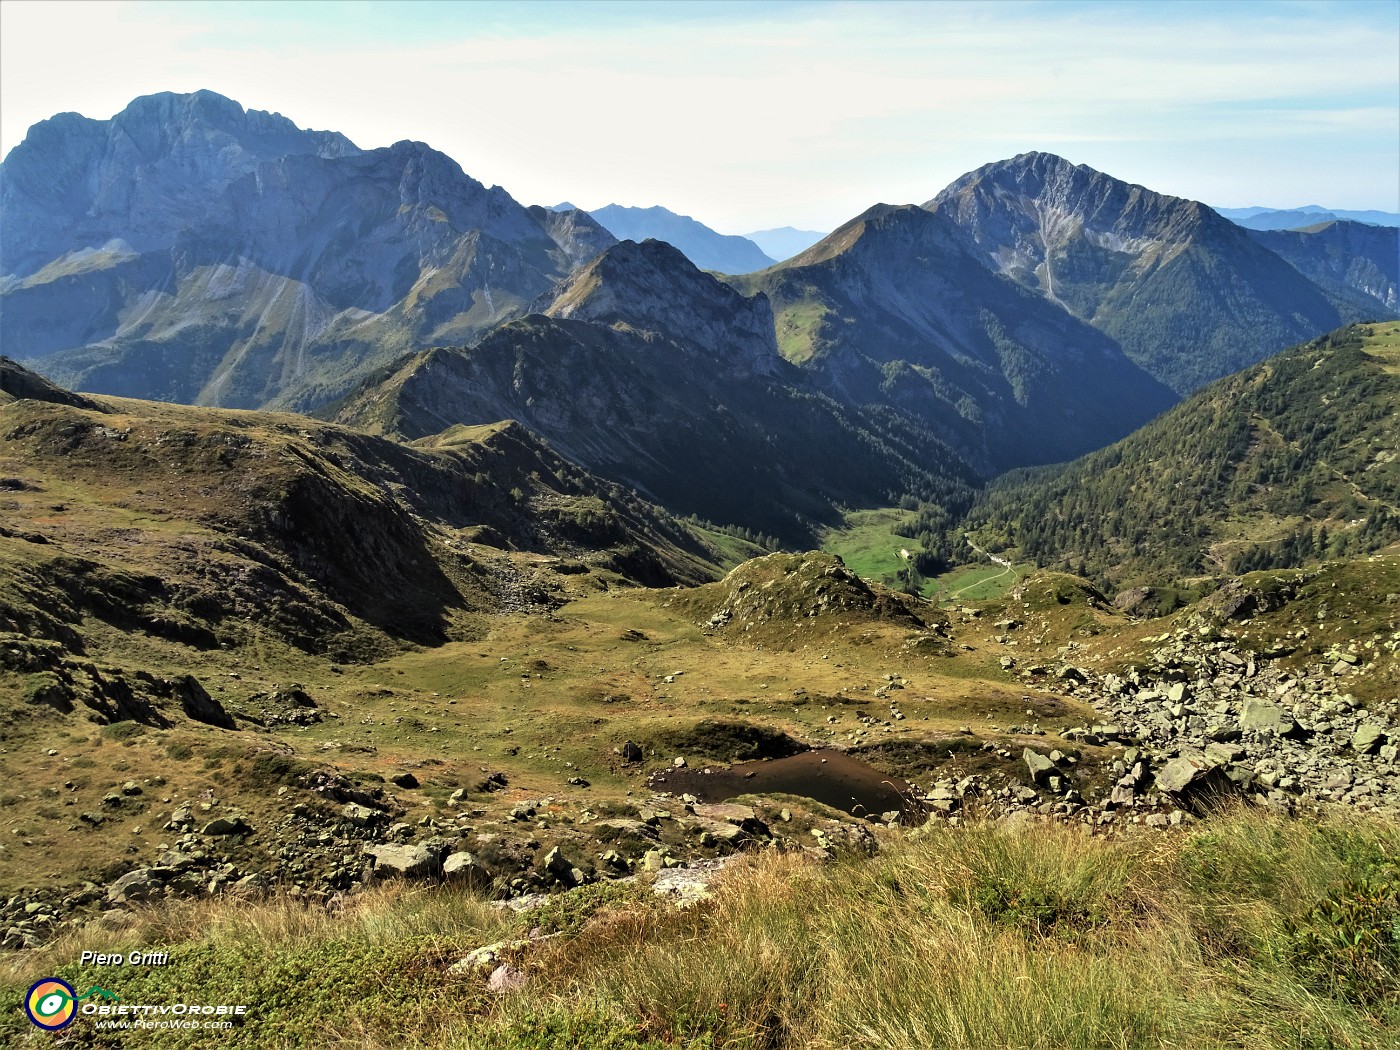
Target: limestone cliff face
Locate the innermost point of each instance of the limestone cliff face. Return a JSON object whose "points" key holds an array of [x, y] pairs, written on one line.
{"points": [[190, 250], [1189, 295]]}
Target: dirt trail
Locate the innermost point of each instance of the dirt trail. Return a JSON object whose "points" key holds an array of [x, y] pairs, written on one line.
{"points": [[1003, 562]]}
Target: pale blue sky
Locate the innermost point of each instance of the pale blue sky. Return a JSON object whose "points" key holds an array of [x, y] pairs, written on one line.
{"points": [[756, 114]]}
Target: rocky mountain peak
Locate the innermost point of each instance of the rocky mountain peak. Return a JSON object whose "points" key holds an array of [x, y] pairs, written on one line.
{"points": [[155, 168], [652, 286], [429, 179], [1154, 272], [159, 121], [1038, 201], [872, 234], [580, 236], [269, 262]]}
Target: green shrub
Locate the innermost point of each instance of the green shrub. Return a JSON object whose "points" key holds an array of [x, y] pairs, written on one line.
{"points": [[1348, 945], [123, 730]]}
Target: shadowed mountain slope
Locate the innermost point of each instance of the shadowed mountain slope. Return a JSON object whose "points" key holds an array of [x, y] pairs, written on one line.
{"points": [[653, 373], [893, 310], [1347, 259]]}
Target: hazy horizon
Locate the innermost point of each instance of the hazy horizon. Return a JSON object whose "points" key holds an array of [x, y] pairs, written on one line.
{"points": [[759, 115]]}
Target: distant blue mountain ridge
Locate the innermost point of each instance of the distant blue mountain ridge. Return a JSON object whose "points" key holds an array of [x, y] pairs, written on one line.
{"points": [[784, 242], [1257, 218], [703, 246]]}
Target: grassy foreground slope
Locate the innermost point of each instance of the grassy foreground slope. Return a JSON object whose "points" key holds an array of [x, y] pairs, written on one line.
{"points": [[1249, 931], [215, 743], [1286, 463]]}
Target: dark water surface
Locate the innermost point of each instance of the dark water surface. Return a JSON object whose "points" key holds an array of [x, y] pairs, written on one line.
{"points": [[830, 777]]}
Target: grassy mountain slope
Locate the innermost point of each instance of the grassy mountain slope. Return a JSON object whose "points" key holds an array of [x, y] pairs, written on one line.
{"points": [[892, 310], [203, 526], [1286, 462], [319, 838], [1248, 928], [1034, 936]]}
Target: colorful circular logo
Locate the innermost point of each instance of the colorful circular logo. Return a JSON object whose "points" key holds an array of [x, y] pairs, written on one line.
{"points": [[51, 1004]]}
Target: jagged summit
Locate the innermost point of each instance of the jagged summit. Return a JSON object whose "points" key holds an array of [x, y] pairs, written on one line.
{"points": [[1048, 199], [895, 308], [172, 111], [873, 229], [142, 175]]}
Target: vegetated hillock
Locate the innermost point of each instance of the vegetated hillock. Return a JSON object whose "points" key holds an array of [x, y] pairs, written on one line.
{"points": [[205, 527], [1187, 294], [774, 596], [654, 374], [721, 740], [1291, 461]]}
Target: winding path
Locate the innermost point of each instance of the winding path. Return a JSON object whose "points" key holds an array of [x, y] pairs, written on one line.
{"points": [[1006, 568]]}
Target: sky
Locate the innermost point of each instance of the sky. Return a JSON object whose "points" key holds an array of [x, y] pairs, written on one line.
{"points": [[760, 114]]}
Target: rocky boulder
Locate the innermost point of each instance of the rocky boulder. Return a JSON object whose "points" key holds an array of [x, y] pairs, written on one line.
{"points": [[1195, 782], [138, 885], [196, 702], [463, 867], [403, 862]]}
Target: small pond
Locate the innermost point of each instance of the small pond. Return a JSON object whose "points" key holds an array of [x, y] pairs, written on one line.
{"points": [[830, 777]]}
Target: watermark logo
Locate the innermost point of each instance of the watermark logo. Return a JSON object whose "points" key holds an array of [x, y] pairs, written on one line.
{"points": [[52, 1004]]}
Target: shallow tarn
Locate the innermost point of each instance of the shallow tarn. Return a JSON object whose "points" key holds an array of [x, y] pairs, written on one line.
{"points": [[831, 777]]}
